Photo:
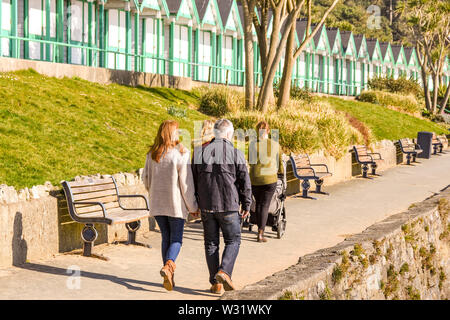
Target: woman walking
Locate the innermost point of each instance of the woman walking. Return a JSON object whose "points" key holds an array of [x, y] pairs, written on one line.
{"points": [[168, 178], [265, 163]]}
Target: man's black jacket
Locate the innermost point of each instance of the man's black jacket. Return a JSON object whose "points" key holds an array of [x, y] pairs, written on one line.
{"points": [[221, 177]]}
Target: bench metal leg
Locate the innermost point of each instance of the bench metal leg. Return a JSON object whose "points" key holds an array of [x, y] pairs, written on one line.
{"points": [[414, 157], [408, 158], [374, 169], [365, 169], [435, 149], [319, 183], [89, 234], [441, 148], [305, 185], [132, 227]]}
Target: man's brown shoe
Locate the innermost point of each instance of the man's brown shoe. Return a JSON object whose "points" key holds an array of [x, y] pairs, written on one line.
{"points": [[168, 273], [216, 288], [225, 279]]}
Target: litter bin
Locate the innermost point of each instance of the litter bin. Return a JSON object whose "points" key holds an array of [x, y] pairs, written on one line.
{"points": [[424, 141]]}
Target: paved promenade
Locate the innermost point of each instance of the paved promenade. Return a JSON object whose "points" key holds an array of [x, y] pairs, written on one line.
{"points": [[133, 272]]}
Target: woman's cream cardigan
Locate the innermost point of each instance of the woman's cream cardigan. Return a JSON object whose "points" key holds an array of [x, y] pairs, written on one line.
{"points": [[170, 184]]}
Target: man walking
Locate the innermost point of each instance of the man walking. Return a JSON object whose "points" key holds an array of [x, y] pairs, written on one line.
{"points": [[222, 184]]}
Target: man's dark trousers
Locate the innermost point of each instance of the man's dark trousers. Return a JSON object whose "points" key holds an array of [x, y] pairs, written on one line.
{"points": [[229, 223]]}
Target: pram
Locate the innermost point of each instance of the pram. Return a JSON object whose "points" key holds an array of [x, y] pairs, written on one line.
{"points": [[277, 211]]}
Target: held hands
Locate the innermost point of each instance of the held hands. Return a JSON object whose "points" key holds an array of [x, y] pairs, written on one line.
{"points": [[196, 214], [244, 213]]}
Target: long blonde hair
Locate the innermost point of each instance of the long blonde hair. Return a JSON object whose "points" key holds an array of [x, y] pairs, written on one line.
{"points": [[207, 132], [165, 140]]}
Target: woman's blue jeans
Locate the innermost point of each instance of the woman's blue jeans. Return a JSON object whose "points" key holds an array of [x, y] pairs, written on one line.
{"points": [[172, 236]]}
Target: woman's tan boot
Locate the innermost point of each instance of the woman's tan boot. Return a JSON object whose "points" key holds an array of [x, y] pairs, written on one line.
{"points": [[261, 237], [168, 273]]}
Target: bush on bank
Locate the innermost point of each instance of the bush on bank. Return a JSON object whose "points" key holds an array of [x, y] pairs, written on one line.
{"points": [[304, 126], [402, 102]]}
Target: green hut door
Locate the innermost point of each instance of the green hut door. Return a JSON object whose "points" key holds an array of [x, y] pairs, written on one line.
{"points": [[79, 30], [42, 26], [151, 45], [227, 57], [116, 39]]}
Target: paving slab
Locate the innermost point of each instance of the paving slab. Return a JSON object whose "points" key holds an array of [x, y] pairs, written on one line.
{"points": [[133, 272]]}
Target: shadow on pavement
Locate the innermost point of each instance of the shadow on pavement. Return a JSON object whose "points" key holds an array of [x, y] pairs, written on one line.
{"points": [[128, 283]]}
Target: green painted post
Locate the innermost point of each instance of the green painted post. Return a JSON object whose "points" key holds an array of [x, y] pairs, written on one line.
{"points": [[161, 44], [214, 55], [158, 43], [189, 66], [313, 76], [235, 60], [59, 29], [106, 36], [101, 26], [137, 65], [26, 32], [90, 31], [255, 63], [307, 70], [342, 76], [47, 29], [328, 75], [14, 43], [196, 55], [144, 46], [171, 44], [219, 58], [128, 40]]}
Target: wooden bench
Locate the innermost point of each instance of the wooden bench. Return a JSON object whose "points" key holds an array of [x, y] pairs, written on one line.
{"points": [[98, 201], [304, 171], [443, 140], [437, 144], [409, 148], [366, 158]]}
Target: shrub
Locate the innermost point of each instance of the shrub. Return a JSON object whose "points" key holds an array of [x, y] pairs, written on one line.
{"points": [[296, 93], [304, 127], [400, 85], [219, 100], [401, 102], [368, 96]]}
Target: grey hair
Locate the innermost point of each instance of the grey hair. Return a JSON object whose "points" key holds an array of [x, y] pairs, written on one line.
{"points": [[222, 127]]}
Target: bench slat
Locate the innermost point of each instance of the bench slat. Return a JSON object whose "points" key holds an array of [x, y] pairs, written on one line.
{"points": [[101, 187], [95, 195], [89, 182], [94, 208]]}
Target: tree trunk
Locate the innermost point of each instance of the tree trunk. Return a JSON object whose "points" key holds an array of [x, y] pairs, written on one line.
{"points": [[445, 100], [426, 92], [435, 93], [285, 85], [249, 59]]}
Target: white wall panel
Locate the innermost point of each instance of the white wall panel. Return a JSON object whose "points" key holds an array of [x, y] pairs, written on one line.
{"points": [[6, 15]]}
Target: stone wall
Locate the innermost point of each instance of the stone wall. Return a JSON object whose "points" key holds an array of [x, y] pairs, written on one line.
{"points": [[406, 256], [35, 223], [99, 75], [103, 75]]}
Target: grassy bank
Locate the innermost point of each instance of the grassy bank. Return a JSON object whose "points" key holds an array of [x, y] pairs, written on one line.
{"points": [[383, 122], [54, 129]]}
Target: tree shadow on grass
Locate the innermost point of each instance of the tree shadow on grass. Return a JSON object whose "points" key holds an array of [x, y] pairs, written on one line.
{"points": [[131, 284], [168, 94]]}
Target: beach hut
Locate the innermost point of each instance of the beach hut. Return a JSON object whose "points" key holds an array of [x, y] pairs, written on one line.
{"points": [[375, 56], [348, 66]]}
